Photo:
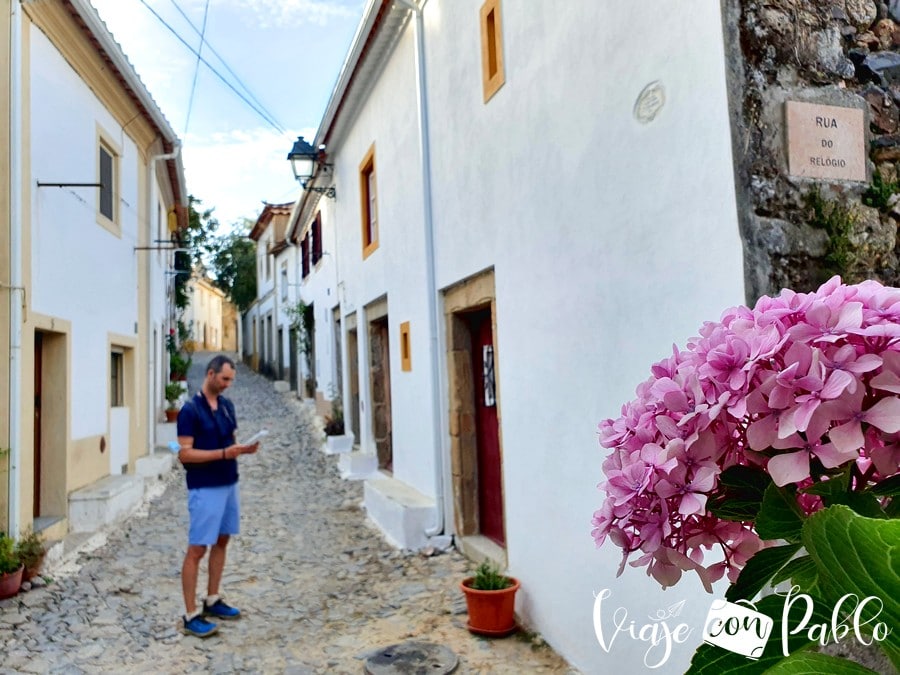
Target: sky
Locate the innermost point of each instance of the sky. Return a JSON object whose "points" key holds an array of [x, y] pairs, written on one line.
{"points": [[284, 56]]}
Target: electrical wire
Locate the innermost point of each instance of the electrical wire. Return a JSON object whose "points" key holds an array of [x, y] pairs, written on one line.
{"points": [[221, 59], [196, 68], [262, 114]]}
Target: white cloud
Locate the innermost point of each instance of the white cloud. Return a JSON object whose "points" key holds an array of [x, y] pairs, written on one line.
{"points": [[233, 172], [291, 13]]}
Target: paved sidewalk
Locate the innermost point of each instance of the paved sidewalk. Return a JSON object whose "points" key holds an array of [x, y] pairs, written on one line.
{"points": [[319, 588]]}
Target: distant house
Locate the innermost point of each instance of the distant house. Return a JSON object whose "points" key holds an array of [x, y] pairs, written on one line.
{"points": [[519, 230], [205, 314], [96, 191], [264, 340]]}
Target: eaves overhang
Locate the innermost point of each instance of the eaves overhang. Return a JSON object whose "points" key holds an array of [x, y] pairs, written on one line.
{"points": [[97, 33]]}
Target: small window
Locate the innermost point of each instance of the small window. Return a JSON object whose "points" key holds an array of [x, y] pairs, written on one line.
{"points": [[284, 281], [304, 256], [492, 74], [116, 387], [368, 203], [405, 348], [107, 163], [317, 239]]}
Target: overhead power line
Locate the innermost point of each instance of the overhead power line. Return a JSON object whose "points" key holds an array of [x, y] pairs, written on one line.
{"points": [[219, 56], [265, 116], [187, 119]]}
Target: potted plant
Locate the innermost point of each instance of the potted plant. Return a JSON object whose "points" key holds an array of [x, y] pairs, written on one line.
{"points": [[337, 439], [178, 367], [491, 601], [30, 550], [173, 393], [11, 568]]}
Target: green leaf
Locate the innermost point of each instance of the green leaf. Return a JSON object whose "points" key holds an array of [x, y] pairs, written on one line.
{"points": [[889, 487], [802, 572], [837, 491], [829, 488], [859, 555], [733, 509], [712, 660], [892, 510], [779, 516], [811, 663], [759, 570], [739, 493]]}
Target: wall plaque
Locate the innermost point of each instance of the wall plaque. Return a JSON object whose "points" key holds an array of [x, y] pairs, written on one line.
{"points": [[826, 141]]}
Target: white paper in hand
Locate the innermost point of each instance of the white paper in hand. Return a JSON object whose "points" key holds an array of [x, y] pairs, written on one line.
{"points": [[258, 436]]}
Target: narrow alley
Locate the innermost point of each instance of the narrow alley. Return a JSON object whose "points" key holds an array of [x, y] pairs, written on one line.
{"points": [[319, 588]]}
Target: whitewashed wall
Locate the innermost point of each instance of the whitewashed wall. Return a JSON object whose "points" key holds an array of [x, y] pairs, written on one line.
{"points": [[397, 268], [610, 240], [80, 271], [159, 308], [320, 290], [266, 277]]}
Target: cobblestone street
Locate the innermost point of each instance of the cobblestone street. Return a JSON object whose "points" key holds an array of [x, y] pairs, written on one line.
{"points": [[319, 588]]}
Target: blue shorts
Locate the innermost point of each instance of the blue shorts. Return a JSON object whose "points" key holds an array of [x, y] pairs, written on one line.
{"points": [[214, 511]]}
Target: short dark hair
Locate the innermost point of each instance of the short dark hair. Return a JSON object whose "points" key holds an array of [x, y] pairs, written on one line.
{"points": [[217, 362]]}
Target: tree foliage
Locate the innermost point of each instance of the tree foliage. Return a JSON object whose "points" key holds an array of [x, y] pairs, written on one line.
{"points": [[233, 262], [230, 258]]}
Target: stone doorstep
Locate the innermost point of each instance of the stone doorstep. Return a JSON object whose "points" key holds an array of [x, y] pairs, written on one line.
{"points": [[166, 432], [357, 465], [156, 464], [400, 511], [104, 501]]}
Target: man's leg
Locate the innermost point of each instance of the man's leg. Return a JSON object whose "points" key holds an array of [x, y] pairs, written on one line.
{"points": [[230, 524], [189, 572], [216, 564]]}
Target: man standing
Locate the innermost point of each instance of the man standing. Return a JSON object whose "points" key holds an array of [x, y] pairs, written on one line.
{"points": [[206, 434]]}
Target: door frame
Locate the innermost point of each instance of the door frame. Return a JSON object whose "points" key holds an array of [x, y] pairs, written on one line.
{"points": [[472, 294]]}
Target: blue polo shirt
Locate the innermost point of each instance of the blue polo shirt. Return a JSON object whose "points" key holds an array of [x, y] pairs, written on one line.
{"points": [[211, 430]]}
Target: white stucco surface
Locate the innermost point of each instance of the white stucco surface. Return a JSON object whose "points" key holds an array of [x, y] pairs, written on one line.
{"points": [[609, 239]]}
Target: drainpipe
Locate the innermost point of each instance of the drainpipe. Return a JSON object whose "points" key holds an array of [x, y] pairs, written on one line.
{"points": [[148, 284], [433, 309], [17, 290]]}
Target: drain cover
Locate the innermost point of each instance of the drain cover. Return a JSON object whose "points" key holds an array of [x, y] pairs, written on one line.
{"points": [[412, 658]]}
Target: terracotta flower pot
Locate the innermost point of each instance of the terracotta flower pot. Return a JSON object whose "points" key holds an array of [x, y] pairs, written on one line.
{"points": [[31, 571], [491, 613], [171, 415], [9, 583]]}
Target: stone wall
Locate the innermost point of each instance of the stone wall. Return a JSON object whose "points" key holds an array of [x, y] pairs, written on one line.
{"points": [[798, 232]]}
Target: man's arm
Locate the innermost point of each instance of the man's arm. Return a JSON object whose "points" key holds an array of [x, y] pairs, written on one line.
{"points": [[188, 454]]}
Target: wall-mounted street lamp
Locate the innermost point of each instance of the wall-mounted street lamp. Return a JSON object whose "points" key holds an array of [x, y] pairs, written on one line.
{"points": [[307, 162]]}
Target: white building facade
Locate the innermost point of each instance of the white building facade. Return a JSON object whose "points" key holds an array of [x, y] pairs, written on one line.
{"points": [[99, 192], [518, 237]]}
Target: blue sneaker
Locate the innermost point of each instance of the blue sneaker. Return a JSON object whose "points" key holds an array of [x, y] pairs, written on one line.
{"points": [[221, 610], [198, 626]]}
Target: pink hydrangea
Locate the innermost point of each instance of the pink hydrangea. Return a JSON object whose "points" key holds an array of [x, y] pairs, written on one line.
{"points": [[802, 386]]}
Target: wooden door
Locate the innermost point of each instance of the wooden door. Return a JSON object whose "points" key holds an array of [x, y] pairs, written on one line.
{"points": [[38, 369], [490, 479]]}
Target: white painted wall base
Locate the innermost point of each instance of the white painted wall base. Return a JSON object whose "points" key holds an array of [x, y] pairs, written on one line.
{"points": [[335, 445], [166, 432], [400, 511], [103, 502], [357, 465], [155, 465]]}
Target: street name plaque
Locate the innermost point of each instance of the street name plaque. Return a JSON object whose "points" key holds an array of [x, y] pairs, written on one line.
{"points": [[826, 141]]}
